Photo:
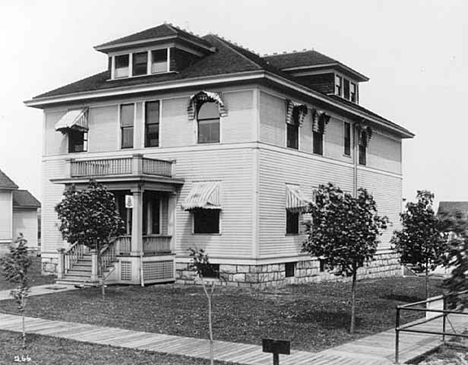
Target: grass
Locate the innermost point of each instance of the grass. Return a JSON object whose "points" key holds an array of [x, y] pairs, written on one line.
{"points": [[313, 317], [34, 273], [49, 350]]}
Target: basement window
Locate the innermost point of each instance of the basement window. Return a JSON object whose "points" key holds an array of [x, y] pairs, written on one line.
{"points": [[290, 269]]}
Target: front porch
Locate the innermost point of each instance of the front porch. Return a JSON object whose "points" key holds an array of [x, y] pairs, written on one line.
{"points": [[145, 191]]}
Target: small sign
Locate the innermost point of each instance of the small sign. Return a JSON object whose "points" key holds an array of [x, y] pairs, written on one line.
{"points": [[129, 201], [276, 346]]}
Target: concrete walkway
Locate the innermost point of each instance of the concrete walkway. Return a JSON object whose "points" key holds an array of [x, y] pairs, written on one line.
{"points": [[377, 349], [40, 290]]}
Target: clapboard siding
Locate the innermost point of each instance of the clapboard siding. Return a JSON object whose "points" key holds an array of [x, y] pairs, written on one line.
{"points": [[104, 129], [276, 169], [6, 211], [386, 191], [272, 119], [51, 238], [334, 140], [55, 143], [176, 129], [234, 169], [384, 153], [238, 125], [25, 222]]}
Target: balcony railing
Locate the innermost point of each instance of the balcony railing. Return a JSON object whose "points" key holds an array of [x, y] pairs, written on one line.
{"points": [[134, 165], [152, 244]]}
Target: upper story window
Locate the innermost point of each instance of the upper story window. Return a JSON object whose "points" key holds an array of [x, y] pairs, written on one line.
{"points": [[77, 141], [364, 135], [152, 124], [317, 143], [160, 60], [319, 122], [208, 123], [353, 92], [140, 63], [127, 116], [347, 138], [292, 132], [122, 66], [346, 88], [338, 85]]}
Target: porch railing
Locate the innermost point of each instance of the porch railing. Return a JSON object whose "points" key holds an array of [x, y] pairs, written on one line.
{"points": [[123, 245], [73, 254], [108, 254], [157, 244]]}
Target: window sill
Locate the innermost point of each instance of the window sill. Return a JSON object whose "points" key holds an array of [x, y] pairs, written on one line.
{"points": [[140, 76], [206, 234], [292, 234]]}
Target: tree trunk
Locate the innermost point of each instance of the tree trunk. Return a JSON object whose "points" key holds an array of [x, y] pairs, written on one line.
{"points": [[353, 302], [24, 333], [210, 327], [101, 274]]}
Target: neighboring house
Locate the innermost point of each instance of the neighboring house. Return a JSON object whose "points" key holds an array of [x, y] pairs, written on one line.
{"points": [[18, 214], [219, 149]]}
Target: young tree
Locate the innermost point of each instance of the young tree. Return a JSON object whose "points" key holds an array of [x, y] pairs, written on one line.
{"points": [[200, 263], [344, 232], [421, 241], [15, 267], [89, 217]]}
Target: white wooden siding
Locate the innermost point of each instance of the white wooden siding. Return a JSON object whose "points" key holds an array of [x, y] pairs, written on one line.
{"points": [[104, 129], [272, 119], [25, 222], [384, 153], [386, 190], [176, 129], [238, 125], [6, 212], [278, 168], [55, 143], [334, 141]]}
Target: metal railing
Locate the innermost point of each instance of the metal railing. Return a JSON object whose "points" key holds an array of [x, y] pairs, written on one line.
{"points": [[432, 314]]}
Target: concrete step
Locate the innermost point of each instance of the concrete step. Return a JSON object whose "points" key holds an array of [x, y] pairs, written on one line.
{"points": [[78, 273], [76, 282], [82, 266], [77, 278]]}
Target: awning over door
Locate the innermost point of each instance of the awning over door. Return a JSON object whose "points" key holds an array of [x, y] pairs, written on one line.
{"points": [[74, 119], [296, 200], [204, 195]]}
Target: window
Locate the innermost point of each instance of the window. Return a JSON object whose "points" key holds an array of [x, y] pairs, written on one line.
{"points": [[152, 124], [292, 132], [208, 123], [125, 213], [210, 271], [346, 89], [338, 85], [353, 93], [292, 222], [317, 147], [347, 139], [289, 269], [159, 61], [151, 213], [126, 125], [323, 265], [140, 63], [122, 66], [362, 154], [206, 220], [77, 141]]}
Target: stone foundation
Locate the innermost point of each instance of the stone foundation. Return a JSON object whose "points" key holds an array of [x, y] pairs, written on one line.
{"points": [[260, 276], [49, 265]]}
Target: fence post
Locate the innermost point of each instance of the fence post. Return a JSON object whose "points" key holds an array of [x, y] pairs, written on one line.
{"points": [[94, 265], [397, 335], [61, 263]]}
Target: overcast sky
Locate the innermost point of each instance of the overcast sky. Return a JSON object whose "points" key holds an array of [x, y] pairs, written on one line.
{"points": [[414, 52]]}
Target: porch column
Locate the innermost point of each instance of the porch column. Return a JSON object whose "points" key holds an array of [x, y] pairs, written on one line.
{"points": [[137, 223], [61, 263], [171, 219]]}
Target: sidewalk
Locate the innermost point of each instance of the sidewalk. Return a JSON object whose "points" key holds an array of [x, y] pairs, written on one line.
{"points": [[40, 290], [377, 349]]}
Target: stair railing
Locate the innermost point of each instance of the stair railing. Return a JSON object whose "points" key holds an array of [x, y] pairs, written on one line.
{"points": [[74, 253], [108, 254]]}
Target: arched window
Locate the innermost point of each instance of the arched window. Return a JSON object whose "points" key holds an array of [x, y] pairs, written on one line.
{"points": [[208, 123]]}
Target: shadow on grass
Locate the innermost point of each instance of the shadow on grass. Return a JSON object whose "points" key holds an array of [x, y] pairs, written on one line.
{"points": [[327, 319], [401, 298]]}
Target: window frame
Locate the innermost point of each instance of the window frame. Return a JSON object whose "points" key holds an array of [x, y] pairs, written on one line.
{"points": [[145, 136], [197, 124], [293, 126], [84, 141], [362, 160], [338, 86], [122, 128], [114, 66], [149, 62], [150, 209], [134, 64], [346, 139], [289, 225], [168, 60], [197, 211], [290, 269], [317, 148], [339, 90]]}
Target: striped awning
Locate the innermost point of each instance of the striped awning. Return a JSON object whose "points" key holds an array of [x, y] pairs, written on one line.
{"points": [[204, 195], [364, 134], [74, 119], [296, 200], [197, 100], [320, 120], [292, 108]]}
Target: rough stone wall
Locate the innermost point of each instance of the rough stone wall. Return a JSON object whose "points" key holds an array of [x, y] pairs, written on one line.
{"points": [[49, 266], [262, 276]]}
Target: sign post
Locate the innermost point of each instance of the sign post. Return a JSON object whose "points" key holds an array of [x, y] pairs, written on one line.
{"points": [[276, 347]]}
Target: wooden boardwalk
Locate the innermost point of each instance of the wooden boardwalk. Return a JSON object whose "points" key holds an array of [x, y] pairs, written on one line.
{"points": [[373, 350]]}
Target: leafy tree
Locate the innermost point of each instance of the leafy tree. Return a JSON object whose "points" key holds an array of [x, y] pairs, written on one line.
{"points": [[344, 232], [421, 241], [15, 267], [200, 263], [89, 217]]}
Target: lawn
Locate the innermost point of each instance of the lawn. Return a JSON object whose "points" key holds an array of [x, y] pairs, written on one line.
{"points": [[45, 350], [34, 274], [313, 317]]}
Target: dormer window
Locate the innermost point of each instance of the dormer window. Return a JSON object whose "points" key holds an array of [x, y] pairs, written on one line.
{"points": [[346, 88], [140, 63], [338, 85], [160, 60], [353, 93], [122, 66]]}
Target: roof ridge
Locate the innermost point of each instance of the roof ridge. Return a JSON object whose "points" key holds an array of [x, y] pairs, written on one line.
{"points": [[304, 50]]}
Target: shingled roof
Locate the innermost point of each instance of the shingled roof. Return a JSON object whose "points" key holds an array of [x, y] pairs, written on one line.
{"points": [[6, 182], [24, 199]]}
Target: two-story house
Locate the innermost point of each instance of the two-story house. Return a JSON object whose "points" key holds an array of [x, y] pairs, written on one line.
{"points": [[206, 144]]}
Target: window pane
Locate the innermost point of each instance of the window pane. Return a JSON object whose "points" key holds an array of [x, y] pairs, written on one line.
{"points": [[159, 61], [292, 136], [77, 141], [140, 63], [208, 110], [338, 85], [122, 65], [152, 135], [208, 131], [347, 139], [362, 155], [152, 124], [346, 89], [206, 221], [353, 92], [126, 115], [152, 112], [127, 137], [292, 222], [318, 143]]}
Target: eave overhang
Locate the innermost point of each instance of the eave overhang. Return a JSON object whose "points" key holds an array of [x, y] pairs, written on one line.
{"points": [[334, 65]]}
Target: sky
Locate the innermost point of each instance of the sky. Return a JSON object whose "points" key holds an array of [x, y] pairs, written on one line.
{"points": [[414, 52]]}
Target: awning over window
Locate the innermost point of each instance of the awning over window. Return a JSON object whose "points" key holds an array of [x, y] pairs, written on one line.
{"points": [[204, 195], [292, 108], [74, 119], [296, 200], [319, 121], [198, 99], [364, 134]]}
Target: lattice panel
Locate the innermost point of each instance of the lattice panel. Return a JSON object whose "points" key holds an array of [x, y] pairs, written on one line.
{"points": [[125, 270], [158, 270]]}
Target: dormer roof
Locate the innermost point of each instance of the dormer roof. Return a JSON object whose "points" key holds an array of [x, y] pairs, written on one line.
{"points": [[310, 60], [163, 32]]}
